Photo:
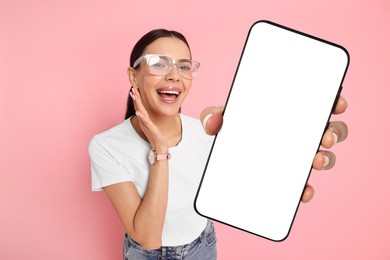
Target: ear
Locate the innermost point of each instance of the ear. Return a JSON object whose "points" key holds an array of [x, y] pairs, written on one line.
{"points": [[132, 76]]}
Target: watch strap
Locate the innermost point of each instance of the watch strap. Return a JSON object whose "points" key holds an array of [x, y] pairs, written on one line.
{"points": [[153, 157], [165, 156]]}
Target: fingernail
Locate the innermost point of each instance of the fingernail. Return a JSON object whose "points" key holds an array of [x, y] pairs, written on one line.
{"points": [[326, 161], [206, 119], [335, 137]]}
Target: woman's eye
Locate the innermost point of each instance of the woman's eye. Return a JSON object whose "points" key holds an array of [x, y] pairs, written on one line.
{"points": [[185, 67], [158, 65]]}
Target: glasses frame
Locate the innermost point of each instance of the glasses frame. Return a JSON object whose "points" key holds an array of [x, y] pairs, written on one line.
{"points": [[171, 63]]}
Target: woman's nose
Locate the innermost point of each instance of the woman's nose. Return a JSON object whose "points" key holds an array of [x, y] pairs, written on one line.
{"points": [[173, 73]]}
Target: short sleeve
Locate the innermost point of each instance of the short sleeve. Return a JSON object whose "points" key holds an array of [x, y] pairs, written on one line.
{"points": [[106, 169]]}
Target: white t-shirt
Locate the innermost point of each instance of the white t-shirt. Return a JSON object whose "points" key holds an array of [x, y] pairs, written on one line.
{"points": [[120, 154]]}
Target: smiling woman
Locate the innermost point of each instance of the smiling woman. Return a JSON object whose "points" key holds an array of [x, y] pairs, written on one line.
{"points": [[154, 198]]}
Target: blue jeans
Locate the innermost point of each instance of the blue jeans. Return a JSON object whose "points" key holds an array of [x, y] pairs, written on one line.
{"points": [[204, 248]]}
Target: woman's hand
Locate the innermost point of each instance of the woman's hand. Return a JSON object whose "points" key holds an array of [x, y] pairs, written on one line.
{"points": [[211, 118], [151, 131]]}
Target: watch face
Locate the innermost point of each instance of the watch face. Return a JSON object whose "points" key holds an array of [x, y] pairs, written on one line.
{"points": [[151, 157]]}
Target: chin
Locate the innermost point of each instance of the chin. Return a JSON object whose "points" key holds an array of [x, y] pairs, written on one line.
{"points": [[170, 111]]}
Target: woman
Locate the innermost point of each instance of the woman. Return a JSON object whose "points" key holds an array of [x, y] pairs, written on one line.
{"points": [[150, 165]]}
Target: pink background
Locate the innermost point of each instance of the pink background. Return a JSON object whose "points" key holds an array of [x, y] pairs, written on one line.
{"points": [[63, 79]]}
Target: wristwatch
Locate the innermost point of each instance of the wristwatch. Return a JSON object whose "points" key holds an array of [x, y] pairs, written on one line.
{"points": [[153, 157]]}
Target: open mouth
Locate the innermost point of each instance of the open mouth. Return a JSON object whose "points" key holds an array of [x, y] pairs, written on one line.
{"points": [[168, 95]]}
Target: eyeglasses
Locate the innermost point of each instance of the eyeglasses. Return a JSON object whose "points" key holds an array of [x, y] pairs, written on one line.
{"points": [[160, 65]]}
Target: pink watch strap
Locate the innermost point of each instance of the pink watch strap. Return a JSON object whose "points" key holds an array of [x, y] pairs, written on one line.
{"points": [[166, 156]]}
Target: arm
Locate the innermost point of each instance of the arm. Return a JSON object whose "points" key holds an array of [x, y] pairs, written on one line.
{"points": [[143, 219]]}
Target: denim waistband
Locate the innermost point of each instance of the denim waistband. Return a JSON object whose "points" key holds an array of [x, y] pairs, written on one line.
{"points": [[166, 250]]}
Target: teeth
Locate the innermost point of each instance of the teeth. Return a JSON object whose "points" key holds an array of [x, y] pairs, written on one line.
{"points": [[169, 92]]}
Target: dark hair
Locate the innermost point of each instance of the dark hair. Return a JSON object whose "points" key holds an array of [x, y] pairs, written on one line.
{"points": [[138, 50]]}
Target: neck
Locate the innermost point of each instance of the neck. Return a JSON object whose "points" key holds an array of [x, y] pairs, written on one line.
{"points": [[170, 126]]}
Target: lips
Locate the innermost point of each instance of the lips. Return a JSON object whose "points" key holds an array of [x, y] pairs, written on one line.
{"points": [[168, 94]]}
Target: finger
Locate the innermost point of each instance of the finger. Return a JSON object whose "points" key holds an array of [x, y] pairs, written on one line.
{"points": [[132, 95], [140, 111], [308, 194], [212, 119], [329, 138], [337, 132], [340, 129], [341, 105], [324, 160], [138, 105]]}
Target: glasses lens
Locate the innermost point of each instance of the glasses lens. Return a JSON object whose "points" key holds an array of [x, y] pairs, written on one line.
{"points": [[159, 65], [188, 68]]}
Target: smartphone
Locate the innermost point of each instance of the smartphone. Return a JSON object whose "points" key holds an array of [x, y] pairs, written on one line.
{"points": [[279, 105]]}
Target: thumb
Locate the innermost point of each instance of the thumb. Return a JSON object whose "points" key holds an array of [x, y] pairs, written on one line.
{"points": [[211, 119]]}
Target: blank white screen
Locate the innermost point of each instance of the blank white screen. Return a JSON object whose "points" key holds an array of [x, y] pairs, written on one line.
{"points": [[277, 110]]}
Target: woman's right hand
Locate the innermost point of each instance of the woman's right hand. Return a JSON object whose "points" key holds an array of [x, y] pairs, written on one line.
{"points": [[151, 131]]}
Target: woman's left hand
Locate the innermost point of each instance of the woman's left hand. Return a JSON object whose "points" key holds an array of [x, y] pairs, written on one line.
{"points": [[211, 118]]}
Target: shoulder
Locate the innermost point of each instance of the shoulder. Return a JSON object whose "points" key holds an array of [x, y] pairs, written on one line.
{"points": [[115, 135], [115, 131]]}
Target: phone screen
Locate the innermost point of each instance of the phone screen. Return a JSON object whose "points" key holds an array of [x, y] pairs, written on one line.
{"points": [[279, 105]]}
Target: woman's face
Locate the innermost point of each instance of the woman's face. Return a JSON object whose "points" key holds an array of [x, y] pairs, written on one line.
{"points": [[162, 95]]}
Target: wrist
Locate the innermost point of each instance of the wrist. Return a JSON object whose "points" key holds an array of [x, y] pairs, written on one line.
{"points": [[161, 149], [154, 156]]}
